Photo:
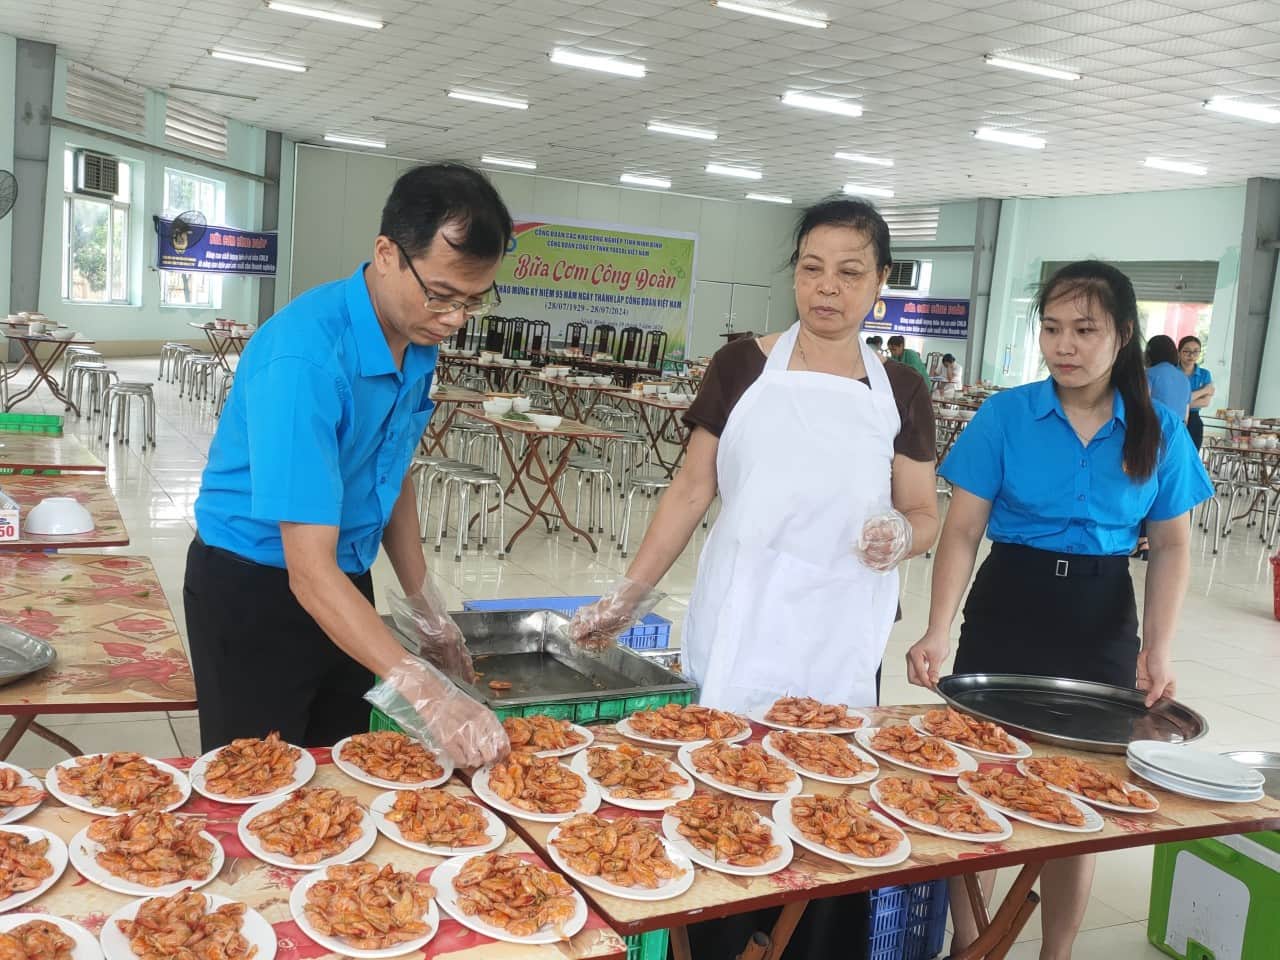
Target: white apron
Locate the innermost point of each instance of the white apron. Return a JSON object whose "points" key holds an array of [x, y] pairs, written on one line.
{"points": [[781, 606]]}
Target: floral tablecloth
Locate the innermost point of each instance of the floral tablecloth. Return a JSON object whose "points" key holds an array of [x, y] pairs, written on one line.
{"points": [[90, 490], [34, 451]]}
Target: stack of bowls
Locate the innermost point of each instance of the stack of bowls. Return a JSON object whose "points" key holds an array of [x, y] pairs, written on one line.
{"points": [[1201, 774]]}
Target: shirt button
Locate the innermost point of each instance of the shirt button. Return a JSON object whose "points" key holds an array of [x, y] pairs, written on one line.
{"points": [[383, 479], [1084, 463], [1081, 497]]}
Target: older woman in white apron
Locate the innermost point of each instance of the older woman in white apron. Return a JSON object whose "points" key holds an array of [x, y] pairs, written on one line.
{"points": [[824, 461]]}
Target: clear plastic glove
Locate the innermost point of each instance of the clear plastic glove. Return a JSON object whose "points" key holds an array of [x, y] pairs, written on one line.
{"points": [[423, 617], [429, 707], [885, 541], [597, 626]]}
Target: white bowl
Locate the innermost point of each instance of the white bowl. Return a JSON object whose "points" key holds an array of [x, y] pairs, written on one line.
{"points": [[58, 517], [650, 389], [603, 381], [521, 404], [497, 406], [545, 421], [524, 363], [505, 362], [63, 333]]}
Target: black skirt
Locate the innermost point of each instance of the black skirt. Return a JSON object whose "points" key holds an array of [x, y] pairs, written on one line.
{"points": [[1195, 426], [1051, 615]]}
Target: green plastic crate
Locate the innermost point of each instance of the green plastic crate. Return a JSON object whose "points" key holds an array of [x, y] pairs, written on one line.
{"points": [[1216, 898], [45, 423], [648, 946]]}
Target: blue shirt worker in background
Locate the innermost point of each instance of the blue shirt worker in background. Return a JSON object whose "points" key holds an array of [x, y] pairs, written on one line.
{"points": [[1059, 474], [1201, 381], [308, 475]]}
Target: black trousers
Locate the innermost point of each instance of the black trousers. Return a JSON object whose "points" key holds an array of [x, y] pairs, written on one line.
{"points": [[261, 662], [1051, 615], [1195, 426]]}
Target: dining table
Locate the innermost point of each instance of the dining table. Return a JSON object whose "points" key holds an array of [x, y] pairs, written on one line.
{"points": [[575, 400], [448, 399], [662, 422], [813, 876], [222, 342], [42, 366], [88, 489], [116, 643], [44, 452], [266, 888]]}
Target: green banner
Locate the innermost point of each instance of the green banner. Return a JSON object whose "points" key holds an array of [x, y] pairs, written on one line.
{"points": [[562, 272]]}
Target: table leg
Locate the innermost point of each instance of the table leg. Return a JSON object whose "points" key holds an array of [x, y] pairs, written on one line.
{"points": [[42, 375], [996, 938], [434, 439], [44, 733], [518, 472], [550, 479], [757, 948], [977, 902], [680, 944], [10, 740], [783, 928]]}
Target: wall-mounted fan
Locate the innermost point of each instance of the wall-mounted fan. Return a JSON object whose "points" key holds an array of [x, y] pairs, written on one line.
{"points": [[185, 230], [8, 192]]}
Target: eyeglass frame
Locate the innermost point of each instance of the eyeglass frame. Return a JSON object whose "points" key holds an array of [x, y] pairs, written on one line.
{"points": [[481, 309]]}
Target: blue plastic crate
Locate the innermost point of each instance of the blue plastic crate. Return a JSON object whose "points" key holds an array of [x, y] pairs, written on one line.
{"points": [[908, 922], [653, 632]]}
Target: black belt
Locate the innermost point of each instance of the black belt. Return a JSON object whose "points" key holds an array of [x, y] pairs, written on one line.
{"points": [[1051, 564]]}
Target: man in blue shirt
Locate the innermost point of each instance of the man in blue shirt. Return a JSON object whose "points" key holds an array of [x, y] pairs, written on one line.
{"points": [[308, 475]]}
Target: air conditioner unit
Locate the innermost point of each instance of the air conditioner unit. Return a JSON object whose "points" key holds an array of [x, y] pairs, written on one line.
{"points": [[96, 174], [904, 275]]}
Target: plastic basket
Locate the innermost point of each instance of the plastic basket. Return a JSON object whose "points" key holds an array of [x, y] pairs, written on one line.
{"points": [[648, 946], [907, 922], [1275, 585], [45, 423], [652, 633]]}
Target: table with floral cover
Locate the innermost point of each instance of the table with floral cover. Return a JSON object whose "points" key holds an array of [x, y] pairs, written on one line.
{"points": [[38, 451], [266, 888], [90, 490], [106, 617]]}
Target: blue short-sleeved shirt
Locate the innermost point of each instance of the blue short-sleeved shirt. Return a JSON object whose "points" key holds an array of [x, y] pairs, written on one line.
{"points": [[1051, 492], [1199, 378], [1170, 386], [320, 427]]}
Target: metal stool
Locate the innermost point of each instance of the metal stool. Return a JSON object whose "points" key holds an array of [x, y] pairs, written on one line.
{"points": [[77, 353], [625, 453], [648, 481], [170, 355], [426, 470], [224, 390], [460, 434], [194, 373], [595, 473], [94, 374], [464, 482], [118, 400]]}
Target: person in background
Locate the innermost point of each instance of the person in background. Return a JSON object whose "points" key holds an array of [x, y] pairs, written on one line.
{"points": [[952, 382], [1189, 350], [876, 343], [1059, 474], [898, 351], [1169, 385]]}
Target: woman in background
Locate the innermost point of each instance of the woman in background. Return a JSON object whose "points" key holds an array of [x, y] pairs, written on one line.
{"points": [[1169, 385], [1189, 350]]}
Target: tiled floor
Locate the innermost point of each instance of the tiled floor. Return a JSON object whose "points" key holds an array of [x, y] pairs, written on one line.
{"points": [[1228, 647]]}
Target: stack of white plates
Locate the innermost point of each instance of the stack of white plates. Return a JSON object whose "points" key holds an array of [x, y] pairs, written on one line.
{"points": [[1194, 773]]}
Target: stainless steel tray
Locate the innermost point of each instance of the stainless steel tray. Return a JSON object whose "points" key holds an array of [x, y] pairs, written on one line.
{"points": [[1267, 764], [531, 651], [21, 654], [1071, 713]]}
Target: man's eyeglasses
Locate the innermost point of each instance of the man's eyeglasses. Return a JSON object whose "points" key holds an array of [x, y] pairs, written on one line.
{"points": [[438, 303]]}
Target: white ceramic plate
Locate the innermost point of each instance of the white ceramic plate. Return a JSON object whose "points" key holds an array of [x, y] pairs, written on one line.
{"points": [[56, 855], [84, 853], [361, 846], [569, 751], [1005, 832], [1183, 762], [782, 817], [967, 762], [1104, 804], [86, 944], [495, 829], [1194, 790], [29, 779], [480, 784], [624, 727], [79, 803], [355, 773], [1093, 821], [865, 777], [794, 785], [671, 830], [1023, 750], [442, 879], [580, 766], [666, 890], [758, 716], [297, 907], [303, 771], [255, 928]]}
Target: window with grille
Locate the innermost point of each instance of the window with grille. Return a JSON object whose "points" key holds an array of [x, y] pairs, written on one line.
{"points": [[105, 100], [95, 231], [185, 192], [191, 128], [911, 224]]}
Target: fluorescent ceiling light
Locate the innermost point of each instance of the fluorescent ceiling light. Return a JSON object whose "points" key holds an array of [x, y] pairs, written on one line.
{"points": [[1038, 69], [355, 141], [570, 58], [768, 198], [743, 173], [332, 15], [846, 108], [1262, 112], [697, 133], [490, 99], [636, 180], [858, 190], [1175, 166], [257, 61], [863, 158], [506, 162], [995, 135], [773, 14]]}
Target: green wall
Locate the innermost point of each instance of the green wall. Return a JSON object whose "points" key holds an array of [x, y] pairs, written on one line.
{"points": [[8, 66]]}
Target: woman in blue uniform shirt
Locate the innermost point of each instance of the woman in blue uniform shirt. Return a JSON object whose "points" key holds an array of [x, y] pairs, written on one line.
{"points": [[1189, 350], [1059, 474]]}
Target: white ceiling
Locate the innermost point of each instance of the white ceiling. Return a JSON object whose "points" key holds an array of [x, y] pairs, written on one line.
{"points": [[916, 66]]}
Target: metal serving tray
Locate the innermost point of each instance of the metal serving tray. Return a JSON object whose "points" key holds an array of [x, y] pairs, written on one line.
{"points": [[21, 654], [1071, 713], [1266, 763], [530, 650]]}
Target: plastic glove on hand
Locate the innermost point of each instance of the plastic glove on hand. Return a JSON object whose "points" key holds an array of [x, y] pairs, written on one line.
{"points": [[423, 617], [885, 541], [598, 625]]}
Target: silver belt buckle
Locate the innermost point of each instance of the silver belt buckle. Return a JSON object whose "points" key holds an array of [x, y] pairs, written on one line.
{"points": [[1063, 567]]}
